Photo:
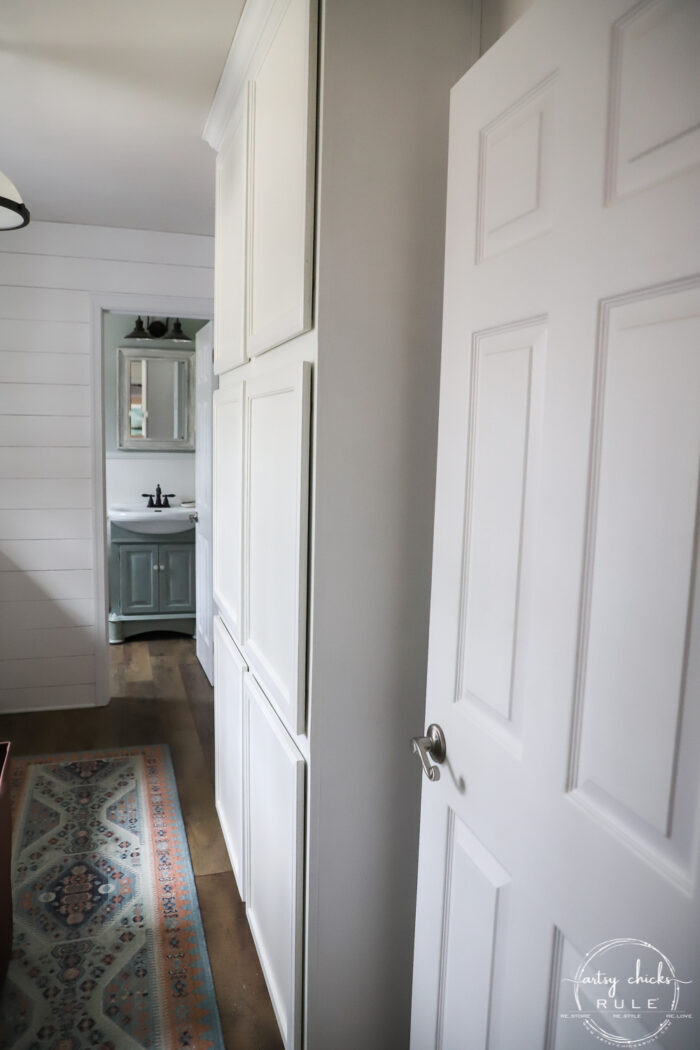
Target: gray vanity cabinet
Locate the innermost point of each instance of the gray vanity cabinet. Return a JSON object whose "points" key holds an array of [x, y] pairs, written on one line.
{"points": [[152, 583]]}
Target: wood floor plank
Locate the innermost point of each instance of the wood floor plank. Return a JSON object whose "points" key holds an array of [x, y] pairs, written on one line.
{"points": [[246, 1017], [138, 662]]}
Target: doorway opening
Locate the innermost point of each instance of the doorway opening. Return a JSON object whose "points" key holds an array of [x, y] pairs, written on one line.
{"points": [[150, 461]]}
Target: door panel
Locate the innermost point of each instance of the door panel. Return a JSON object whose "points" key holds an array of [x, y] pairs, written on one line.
{"points": [[228, 505], [564, 660], [138, 578], [275, 538], [231, 239], [177, 577], [230, 735], [283, 122], [275, 858], [203, 498]]}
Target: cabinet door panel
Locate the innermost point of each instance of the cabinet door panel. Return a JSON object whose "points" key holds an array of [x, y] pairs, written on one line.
{"points": [[177, 586], [230, 734], [231, 226], [228, 504], [275, 857], [275, 536], [282, 118], [138, 578]]}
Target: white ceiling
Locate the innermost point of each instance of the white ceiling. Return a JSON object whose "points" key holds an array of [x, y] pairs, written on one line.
{"points": [[103, 104]]}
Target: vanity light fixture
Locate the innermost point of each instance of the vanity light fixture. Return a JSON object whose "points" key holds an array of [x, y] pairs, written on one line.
{"points": [[155, 328], [13, 211], [139, 332], [177, 335]]}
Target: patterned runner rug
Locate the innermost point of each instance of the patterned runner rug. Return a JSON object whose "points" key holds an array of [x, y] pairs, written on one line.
{"points": [[109, 951]]}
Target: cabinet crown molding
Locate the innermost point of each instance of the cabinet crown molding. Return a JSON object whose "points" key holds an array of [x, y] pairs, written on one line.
{"points": [[256, 15]]}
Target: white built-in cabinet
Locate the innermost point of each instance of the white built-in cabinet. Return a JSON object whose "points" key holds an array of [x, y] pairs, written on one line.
{"points": [[265, 189], [259, 783], [330, 372], [261, 448]]}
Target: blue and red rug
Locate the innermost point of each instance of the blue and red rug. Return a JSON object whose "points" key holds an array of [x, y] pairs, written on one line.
{"points": [[109, 951]]}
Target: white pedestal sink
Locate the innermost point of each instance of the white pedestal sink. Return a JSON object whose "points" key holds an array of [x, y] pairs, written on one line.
{"points": [[159, 520]]}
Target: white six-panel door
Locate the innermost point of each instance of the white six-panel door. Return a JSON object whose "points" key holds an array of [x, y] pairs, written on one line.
{"points": [[564, 661]]}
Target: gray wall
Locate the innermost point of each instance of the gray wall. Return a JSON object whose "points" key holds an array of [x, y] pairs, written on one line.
{"points": [[497, 16], [387, 69]]}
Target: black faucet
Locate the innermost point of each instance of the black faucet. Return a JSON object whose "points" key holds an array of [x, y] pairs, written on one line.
{"points": [[162, 501]]}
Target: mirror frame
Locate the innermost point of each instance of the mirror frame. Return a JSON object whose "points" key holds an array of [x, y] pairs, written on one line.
{"points": [[127, 443]]}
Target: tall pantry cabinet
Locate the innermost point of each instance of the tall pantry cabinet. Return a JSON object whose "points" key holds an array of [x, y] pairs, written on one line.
{"points": [[330, 126]]}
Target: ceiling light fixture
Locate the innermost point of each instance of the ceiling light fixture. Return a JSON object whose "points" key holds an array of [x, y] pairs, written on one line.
{"points": [[13, 211]]}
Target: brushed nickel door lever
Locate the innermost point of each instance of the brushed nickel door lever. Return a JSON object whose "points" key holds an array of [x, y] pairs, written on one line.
{"points": [[432, 745]]}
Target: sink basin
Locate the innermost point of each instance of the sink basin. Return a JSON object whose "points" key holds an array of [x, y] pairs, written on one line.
{"points": [[160, 520]]}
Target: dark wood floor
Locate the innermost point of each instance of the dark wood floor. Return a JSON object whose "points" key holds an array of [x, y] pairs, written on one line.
{"points": [[161, 695]]}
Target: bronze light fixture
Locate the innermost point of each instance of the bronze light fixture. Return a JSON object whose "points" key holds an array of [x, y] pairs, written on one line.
{"points": [[157, 328]]}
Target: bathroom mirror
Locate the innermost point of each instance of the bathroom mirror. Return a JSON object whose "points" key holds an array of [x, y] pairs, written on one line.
{"points": [[155, 409]]}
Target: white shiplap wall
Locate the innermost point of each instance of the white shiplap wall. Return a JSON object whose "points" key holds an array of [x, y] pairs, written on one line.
{"points": [[52, 276]]}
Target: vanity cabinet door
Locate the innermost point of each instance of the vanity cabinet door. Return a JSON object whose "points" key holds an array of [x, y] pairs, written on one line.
{"points": [[138, 578], [176, 577], [275, 858], [230, 723]]}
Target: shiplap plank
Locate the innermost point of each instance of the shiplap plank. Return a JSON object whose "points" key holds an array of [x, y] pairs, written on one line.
{"points": [[62, 670], [105, 275], [36, 493], [17, 366], [46, 524], [44, 304], [44, 337], [75, 612], [46, 584], [42, 643], [47, 431], [44, 399], [30, 555], [45, 463], [47, 698], [108, 242]]}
